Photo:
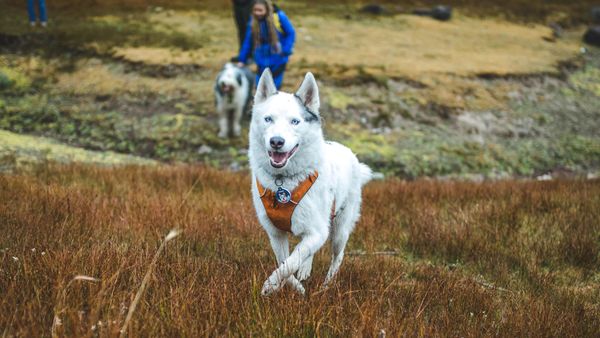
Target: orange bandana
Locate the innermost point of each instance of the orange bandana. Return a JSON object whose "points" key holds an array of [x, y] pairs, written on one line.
{"points": [[280, 214]]}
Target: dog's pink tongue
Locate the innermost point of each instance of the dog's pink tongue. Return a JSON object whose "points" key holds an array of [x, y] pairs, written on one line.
{"points": [[278, 157]]}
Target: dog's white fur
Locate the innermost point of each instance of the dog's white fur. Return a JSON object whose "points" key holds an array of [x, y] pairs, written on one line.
{"points": [[232, 92], [341, 178]]}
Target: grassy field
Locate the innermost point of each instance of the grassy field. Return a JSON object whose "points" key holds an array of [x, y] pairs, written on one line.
{"points": [[427, 258]]}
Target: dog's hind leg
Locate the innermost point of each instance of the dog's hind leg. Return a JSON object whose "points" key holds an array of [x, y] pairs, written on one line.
{"points": [[307, 247], [340, 232], [281, 248]]}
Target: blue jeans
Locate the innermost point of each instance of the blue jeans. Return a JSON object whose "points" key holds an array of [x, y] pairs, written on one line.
{"points": [[41, 7], [277, 72]]}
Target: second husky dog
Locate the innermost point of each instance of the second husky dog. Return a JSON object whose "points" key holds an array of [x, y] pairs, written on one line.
{"points": [[301, 183]]}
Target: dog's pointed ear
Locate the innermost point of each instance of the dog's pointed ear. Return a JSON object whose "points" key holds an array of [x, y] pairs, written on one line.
{"points": [[266, 87], [309, 93]]}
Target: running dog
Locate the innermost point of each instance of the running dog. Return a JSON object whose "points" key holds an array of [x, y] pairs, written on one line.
{"points": [[301, 184], [233, 90]]}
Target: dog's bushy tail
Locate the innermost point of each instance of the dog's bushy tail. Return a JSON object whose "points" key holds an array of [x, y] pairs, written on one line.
{"points": [[366, 174]]}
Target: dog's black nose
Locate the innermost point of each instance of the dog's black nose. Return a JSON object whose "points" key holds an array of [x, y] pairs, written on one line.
{"points": [[277, 142]]}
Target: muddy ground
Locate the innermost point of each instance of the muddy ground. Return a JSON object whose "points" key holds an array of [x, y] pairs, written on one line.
{"points": [[477, 97]]}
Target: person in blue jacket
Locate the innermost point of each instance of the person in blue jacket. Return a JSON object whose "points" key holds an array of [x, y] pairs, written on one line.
{"points": [[270, 36]]}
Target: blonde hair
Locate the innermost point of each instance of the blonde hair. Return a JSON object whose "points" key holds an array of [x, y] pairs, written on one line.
{"points": [[273, 38]]}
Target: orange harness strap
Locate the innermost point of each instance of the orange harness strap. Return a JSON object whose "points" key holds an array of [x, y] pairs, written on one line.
{"points": [[280, 214]]}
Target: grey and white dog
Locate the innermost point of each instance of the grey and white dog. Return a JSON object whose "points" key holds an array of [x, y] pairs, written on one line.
{"points": [[233, 92]]}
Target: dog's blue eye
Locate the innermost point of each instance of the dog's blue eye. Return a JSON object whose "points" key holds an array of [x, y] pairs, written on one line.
{"points": [[295, 122], [268, 119]]}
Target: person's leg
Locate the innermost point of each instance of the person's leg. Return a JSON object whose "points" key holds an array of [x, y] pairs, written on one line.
{"points": [[278, 80], [43, 15], [278, 72], [259, 71], [257, 78], [242, 16], [31, 11], [239, 23]]}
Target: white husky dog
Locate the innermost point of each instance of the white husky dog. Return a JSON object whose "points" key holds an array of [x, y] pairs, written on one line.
{"points": [[301, 183], [233, 89]]}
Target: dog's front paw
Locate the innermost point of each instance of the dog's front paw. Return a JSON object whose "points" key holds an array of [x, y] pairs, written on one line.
{"points": [[271, 285], [296, 285], [305, 269], [303, 274], [223, 134]]}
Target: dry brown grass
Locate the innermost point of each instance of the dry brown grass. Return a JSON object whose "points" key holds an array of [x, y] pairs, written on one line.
{"points": [[506, 258]]}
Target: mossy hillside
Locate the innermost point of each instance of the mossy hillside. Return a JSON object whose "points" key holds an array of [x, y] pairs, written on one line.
{"points": [[167, 137], [23, 152], [415, 154]]}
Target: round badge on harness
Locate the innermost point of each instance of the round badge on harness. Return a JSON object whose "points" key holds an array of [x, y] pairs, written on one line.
{"points": [[283, 195]]}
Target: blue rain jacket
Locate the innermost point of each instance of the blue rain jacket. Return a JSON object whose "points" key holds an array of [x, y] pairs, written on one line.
{"points": [[267, 55]]}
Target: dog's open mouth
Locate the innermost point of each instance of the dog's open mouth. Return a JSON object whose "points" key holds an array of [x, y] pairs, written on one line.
{"points": [[279, 159], [226, 88]]}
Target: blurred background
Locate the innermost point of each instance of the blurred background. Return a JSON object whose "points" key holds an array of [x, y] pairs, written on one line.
{"points": [[495, 89]]}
